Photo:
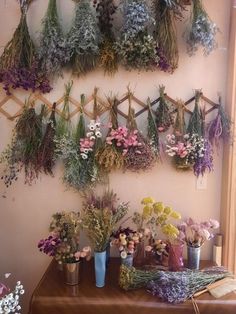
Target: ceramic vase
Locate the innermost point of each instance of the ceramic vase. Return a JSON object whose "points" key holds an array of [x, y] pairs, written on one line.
{"points": [[193, 255], [100, 268]]}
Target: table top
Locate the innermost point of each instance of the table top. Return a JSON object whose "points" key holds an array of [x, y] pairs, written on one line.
{"points": [[53, 296]]}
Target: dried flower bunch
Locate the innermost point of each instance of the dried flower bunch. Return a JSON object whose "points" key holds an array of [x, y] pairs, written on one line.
{"points": [[139, 156], [108, 55], [219, 128], [155, 214], [53, 51], [136, 47], [111, 155], [46, 153], [63, 241], [195, 233], [84, 39], [165, 33], [9, 300], [19, 62], [177, 287], [24, 148], [126, 240], [100, 217], [202, 31], [153, 134], [163, 113]]}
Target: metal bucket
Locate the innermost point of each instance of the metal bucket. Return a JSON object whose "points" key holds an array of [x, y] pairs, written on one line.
{"points": [[71, 273]]}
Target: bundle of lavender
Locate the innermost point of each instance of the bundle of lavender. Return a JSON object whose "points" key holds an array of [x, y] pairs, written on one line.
{"points": [[173, 287], [177, 287]]}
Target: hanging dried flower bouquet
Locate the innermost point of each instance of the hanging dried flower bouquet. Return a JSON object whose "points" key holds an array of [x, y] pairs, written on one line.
{"points": [[136, 47], [84, 39], [19, 61]]}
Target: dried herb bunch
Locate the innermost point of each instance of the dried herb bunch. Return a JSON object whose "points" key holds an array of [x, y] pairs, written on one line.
{"points": [[100, 217], [165, 33], [219, 128], [109, 157], [140, 156], [46, 158], [202, 31], [53, 51], [18, 62], [136, 47], [84, 39], [153, 135], [108, 56], [195, 125], [163, 113], [23, 151]]}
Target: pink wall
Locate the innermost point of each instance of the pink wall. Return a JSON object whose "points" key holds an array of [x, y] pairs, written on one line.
{"points": [[25, 211]]}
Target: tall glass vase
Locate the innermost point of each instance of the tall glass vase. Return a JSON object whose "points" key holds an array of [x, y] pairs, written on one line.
{"points": [[139, 255], [176, 261], [193, 255], [100, 268]]}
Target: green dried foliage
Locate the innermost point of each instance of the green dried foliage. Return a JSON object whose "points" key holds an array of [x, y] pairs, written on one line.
{"points": [[19, 51], [84, 39], [153, 135], [46, 158], [165, 32], [24, 148], [163, 113], [195, 125], [53, 51], [179, 125]]}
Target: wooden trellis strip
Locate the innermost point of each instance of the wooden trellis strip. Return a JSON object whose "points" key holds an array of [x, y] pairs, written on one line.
{"points": [[102, 105]]}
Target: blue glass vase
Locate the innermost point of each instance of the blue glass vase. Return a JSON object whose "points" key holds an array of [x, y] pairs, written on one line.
{"points": [[100, 268]]}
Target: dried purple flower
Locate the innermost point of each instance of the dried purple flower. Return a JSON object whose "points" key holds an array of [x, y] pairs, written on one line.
{"points": [[204, 163]]}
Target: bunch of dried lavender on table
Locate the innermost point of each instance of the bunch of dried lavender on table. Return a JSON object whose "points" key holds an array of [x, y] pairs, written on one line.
{"points": [[53, 51], [177, 287], [19, 63]]}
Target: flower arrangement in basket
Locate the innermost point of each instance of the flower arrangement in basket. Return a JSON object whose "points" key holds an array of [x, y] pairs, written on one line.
{"points": [[63, 240], [9, 300]]}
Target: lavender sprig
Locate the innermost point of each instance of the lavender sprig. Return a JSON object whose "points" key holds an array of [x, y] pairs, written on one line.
{"points": [[204, 163], [49, 245]]}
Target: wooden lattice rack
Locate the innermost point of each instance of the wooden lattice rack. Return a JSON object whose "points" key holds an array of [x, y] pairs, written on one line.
{"points": [[102, 104]]}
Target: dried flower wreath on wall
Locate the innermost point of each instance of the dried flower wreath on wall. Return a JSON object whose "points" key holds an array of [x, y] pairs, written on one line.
{"points": [[92, 149], [145, 41]]}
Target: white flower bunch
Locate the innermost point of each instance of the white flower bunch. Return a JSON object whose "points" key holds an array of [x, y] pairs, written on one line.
{"points": [[87, 143], [10, 302]]}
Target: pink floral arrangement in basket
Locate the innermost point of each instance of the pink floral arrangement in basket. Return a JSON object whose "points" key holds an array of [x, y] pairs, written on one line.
{"points": [[123, 139], [196, 233]]}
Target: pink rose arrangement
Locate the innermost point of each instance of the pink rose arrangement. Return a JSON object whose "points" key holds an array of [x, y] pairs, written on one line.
{"points": [[195, 233]]}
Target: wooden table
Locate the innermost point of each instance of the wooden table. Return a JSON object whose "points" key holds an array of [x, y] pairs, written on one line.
{"points": [[52, 296]]}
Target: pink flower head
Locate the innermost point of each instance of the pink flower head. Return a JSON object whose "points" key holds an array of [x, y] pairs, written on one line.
{"points": [[214, 223], [77, 255]]}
